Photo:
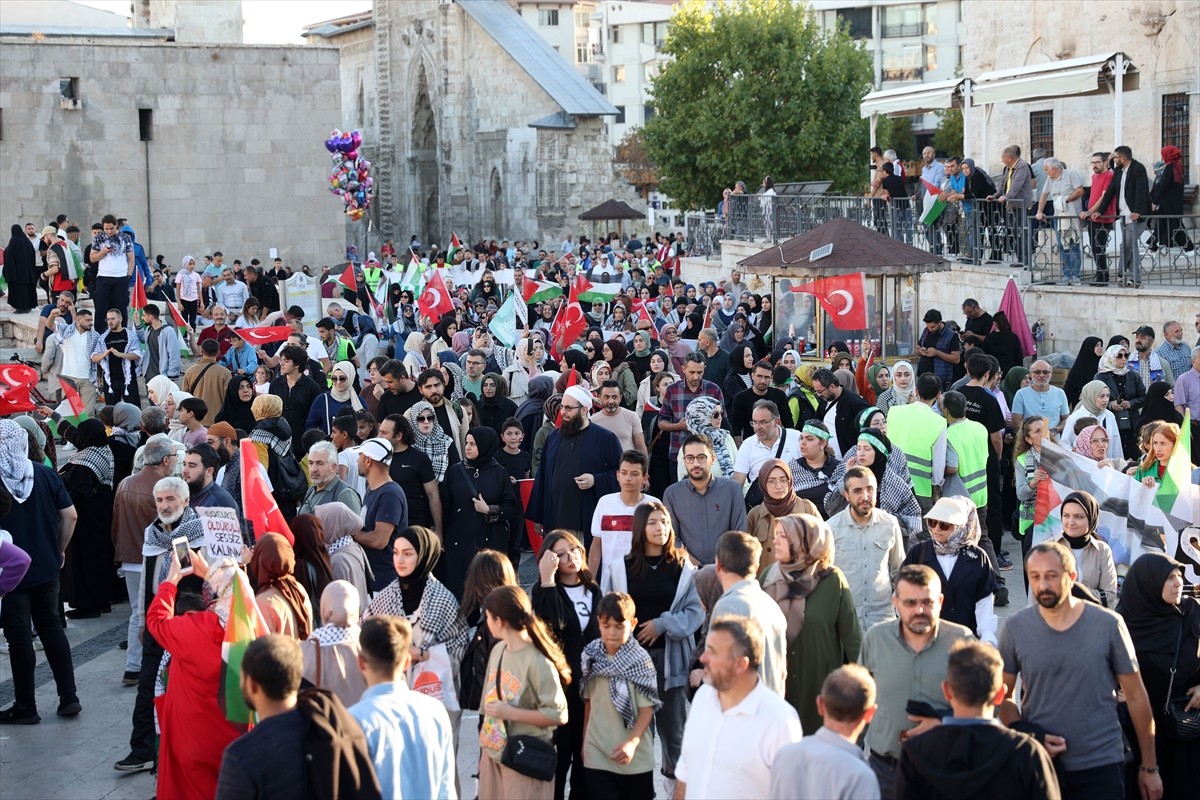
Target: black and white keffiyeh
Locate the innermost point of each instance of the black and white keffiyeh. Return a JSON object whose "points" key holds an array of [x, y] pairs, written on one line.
{"points": [[437, 615], [99, 460], [158, 541], [332, 634], [631, 666], [338, 544], [435, 444]]}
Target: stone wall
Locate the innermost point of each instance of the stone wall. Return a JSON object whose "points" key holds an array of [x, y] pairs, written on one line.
{"points": [[1070, 314], [236, 162]]}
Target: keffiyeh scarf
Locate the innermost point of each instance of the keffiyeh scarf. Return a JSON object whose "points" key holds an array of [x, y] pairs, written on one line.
{"points": [[99, 460], [16, 470], [698, 418], [437, 616], [158, 541], [338, 544], [630, 667], [332, 634], [435, 444]]}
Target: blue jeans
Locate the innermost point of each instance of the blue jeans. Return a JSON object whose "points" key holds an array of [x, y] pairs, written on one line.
{"points": [[37, 605], [1071, 256]]}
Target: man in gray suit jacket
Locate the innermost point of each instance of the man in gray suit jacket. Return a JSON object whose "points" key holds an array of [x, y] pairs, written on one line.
{"points": [[1131, 187], [1015, 189]]}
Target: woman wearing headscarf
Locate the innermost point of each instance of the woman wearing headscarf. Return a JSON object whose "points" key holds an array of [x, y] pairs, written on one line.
{"points": [[125, 439], [1159, 405], [1083, 371], [159, 388], [38, 440], [331, 652], [639, 359], [822, 626], [614, 352], [1003, 344], [802, 398], [21, 271], [239, 396], [531, 411], [1126, 392], [903, 388], [313, 568], [193, 729], [1166, 201], [88, 571], [1093, 557], [494, 406], [1015, 379], [483, 510], [968, 582], [340, 395], [280, 597], [677, 350], [414, 353], [879, 380], [523, 369], [1164, 625], [430, 439], [779, 500], [424, 601], [461, 343], [347, 559], [845, 377], [737, 380], [1093, 442], [659, 361], [703, 416], [1093, 402], [272, 437], [692, 326]]}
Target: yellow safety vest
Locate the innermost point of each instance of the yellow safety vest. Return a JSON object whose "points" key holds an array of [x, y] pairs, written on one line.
{"points": [[915, 429], [970, 441]]}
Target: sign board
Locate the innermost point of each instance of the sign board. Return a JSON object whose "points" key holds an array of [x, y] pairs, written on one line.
{"points": [[301, 290], [273, 253], [222, 532]]}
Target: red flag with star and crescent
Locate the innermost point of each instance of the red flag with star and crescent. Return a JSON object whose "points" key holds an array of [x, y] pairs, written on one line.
{"points": [[844, 298], [568, 323], [435, 300], [257, 337], [16, 383]]}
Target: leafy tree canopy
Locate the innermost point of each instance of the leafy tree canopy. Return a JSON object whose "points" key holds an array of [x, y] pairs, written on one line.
{"points": [[756, 88]]}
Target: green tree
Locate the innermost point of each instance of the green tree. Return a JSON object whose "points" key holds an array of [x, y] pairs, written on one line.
{"points": [[900, 138], [948, 138], [634, 164], [756, 88]]}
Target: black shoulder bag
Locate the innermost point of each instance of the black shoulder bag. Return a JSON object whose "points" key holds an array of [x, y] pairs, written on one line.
{"points": [[526, 755], [1180, 725]]}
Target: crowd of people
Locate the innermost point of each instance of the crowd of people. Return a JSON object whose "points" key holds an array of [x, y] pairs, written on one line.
{"points": [[782, 577]]}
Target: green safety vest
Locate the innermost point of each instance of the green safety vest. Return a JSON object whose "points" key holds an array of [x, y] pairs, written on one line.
{"points": [[970, 441], [372, 278], [915, 429]]}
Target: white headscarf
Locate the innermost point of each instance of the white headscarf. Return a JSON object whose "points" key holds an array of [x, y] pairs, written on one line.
{"points": [[16, 470], [161, 386], [1108, 361], [904, 396], [347, 394]]}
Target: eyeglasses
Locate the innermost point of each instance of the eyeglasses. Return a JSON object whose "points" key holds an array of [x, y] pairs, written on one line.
{"points": [[700, 459], [1040, 372], [923, 603], [425, 418], [566, 407], [940, 525], [589, 349]]}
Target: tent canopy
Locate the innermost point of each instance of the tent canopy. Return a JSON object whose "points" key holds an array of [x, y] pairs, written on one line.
{"points": [[611, 209], [1074, 76], [918, 98], [855, 249]]}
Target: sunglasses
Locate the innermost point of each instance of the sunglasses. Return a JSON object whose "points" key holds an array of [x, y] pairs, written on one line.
{"points": [[939, 525], [1122, 355], [425, 418], [589, 349], [339, 378]]}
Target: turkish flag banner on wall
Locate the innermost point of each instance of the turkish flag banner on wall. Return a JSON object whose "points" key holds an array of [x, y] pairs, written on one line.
{"points": [[844, 298]]}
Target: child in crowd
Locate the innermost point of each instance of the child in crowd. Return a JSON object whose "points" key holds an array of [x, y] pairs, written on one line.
{"points": [[191, 411], [619, 686], [368, 428], [612, 522], [511, 456], [262, 380]]}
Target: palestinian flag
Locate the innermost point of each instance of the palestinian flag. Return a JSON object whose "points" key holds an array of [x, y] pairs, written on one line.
{"points": [[538, 291], [71, 407], [588, 292], [455, 246], [1176, 494], [177, 319], [245, 624], [1046, 522], [346, 280], [933, 206]]}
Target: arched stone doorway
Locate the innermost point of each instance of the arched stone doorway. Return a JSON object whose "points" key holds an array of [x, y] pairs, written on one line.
{"points": [[424, 207], [496, 198]]}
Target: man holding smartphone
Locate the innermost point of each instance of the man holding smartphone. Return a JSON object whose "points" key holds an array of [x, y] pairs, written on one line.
{"points": [[112, 251]]}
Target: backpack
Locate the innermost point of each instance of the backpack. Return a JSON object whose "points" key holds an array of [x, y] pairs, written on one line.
{"points": [[337, 761], [287, 478]]}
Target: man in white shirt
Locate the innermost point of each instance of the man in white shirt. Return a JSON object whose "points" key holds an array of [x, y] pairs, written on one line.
{"points": [[231, 292], [1064, 188], [76, 342], [869, 547], [112, 251], [736, 725], [612, 523], [770, 440]]}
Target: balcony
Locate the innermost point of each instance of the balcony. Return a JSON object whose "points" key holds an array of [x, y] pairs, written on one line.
{"points": [[894, 31]]}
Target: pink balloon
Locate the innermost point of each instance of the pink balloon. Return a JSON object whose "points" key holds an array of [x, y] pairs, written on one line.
{"points": [[353, 154]]}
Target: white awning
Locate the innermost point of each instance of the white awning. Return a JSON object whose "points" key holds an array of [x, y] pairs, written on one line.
{"points": [[917, 98], [1074, 76]]}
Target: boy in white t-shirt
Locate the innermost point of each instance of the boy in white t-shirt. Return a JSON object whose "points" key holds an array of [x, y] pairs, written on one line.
{"points": [[612, 523]]}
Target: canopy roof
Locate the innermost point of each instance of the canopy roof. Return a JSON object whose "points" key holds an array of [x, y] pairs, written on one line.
{"points": [[1074, 76], [855, 249], [917, 98], [612, 209]]}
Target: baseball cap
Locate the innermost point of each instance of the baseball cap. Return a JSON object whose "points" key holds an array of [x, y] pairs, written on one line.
{"points": [[49, 230], [376, 449], [1144, 330], [949, 509]]}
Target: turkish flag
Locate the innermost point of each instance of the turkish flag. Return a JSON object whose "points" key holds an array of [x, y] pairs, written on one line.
{"points": [[16, 381], [844, 298], [435, 300], [641, 309], [138, 300], [568, 323], [258, 503], [71, 395], [257, 337]]}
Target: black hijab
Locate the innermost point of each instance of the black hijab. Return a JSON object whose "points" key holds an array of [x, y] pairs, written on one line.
{"points": [[737, 359], [1090, 508], [1118, 339], [488, 442], [540, 388], [234, 410], [1152, 622], [429, 550], [695, 322], [1157, 408], [20, 259], [1087, 364]]}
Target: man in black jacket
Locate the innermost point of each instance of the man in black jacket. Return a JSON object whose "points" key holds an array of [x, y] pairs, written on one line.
{"points": [[1131, 187], [970, 754], [839, 410]]}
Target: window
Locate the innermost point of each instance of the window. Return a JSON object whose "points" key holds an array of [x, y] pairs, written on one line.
{"points": [[68, 92], [583, 53], [930, 58], [620, 120], [600, 87], [930, 19], [1041, 132], [857, 22], [146, 124], [647, 33], [660, 34], [614, 34], [548, 17], [1177, 129], [647, 112], [902, 21], [903, 63], [619, 73], [581, 19], [650, 71]]}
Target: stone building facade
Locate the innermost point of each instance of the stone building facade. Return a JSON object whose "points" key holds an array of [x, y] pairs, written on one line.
{"points": [[201, 147], [471, 121], [1160, 37]]}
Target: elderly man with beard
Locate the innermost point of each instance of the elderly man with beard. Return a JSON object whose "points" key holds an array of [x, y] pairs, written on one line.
{"points": [[1070, 655], [578, 467], [175, 519]]}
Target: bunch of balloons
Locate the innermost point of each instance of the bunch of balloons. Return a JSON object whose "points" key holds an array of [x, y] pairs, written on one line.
{"points": [[350, 178]]}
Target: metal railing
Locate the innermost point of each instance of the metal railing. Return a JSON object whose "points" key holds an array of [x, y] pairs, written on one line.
{"points": [[1157, 250]]}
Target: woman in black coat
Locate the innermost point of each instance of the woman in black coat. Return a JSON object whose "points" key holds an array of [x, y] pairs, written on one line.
{"points": [[21, 271], [495, 406], [1004, 344], [1124, 387], [483, 511]]}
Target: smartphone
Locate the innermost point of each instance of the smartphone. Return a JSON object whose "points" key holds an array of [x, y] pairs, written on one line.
{"points": [[180, 545]]}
